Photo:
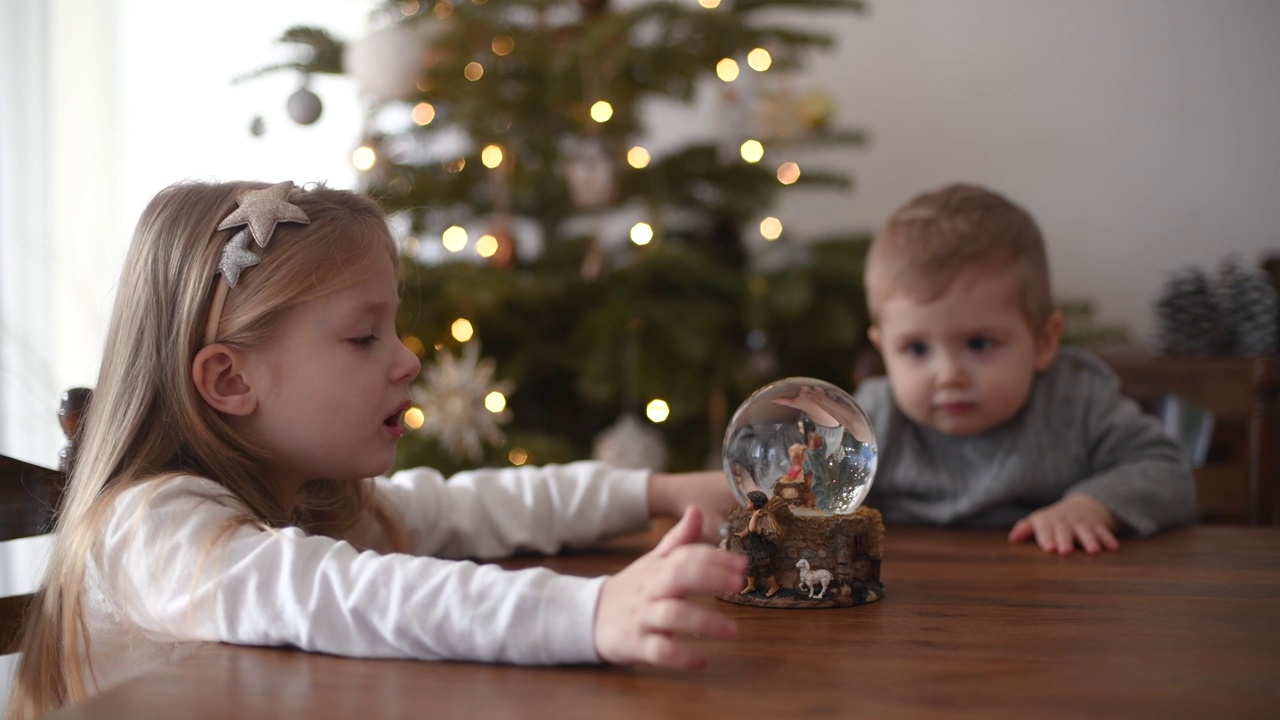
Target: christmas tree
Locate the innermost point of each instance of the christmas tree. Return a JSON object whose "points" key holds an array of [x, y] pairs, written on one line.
{"points": [[571, 292]]}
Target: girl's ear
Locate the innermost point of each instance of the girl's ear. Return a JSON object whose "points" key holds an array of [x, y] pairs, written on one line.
{"points": [[1047, 343], [218, 375]]}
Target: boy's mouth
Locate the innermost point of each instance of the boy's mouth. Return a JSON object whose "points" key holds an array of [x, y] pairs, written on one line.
{"points": [[956, 408]]}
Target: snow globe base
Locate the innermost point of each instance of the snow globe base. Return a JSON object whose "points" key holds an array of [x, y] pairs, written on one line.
{"points": [[816, 560]]}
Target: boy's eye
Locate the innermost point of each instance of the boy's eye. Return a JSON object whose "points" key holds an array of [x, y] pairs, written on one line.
{"points": [[363, 340], [916, 349], [981, 344]]}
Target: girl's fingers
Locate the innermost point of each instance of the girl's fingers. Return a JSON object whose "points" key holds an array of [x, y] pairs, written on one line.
{"points": [[698, 569], [687, 530], [665, 651], [676, 616]]}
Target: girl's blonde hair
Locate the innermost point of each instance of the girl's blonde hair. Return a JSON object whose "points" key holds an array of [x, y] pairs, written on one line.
{"points": [[933, 239], [147, 420]]}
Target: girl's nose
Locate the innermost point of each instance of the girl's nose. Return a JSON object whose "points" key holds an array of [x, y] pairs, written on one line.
{"points": [[406, 367]]}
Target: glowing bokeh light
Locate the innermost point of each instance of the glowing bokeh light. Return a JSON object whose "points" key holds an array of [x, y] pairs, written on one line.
{"points": [[454, 238], [461, 330], [657, 410]]}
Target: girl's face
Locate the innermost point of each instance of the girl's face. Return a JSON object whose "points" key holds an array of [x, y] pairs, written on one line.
{"points": [[334, 384], [964, 362]]}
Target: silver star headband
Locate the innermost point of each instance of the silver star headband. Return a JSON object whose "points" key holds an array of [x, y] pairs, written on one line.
{"points": [[259, 211]]}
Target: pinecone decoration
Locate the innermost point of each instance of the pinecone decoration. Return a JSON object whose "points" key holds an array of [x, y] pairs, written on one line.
{"points": [[1188, 319], [1250, 309]]}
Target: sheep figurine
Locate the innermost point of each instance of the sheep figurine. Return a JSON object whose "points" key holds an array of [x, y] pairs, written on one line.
{"points": [[811, 579]]}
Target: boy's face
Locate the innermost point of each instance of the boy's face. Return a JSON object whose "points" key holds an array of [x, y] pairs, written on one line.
{"points": [[964, 362]]}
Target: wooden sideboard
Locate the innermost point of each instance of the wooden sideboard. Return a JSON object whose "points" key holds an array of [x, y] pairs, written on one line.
{"points": [[1240, 480]]}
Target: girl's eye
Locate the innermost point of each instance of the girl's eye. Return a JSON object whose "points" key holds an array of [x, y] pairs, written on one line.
{"points": [[363, 341], [916, 349], [981, 344]]}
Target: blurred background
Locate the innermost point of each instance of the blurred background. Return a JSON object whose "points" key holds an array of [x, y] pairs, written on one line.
{"points": [[1140, 135]]}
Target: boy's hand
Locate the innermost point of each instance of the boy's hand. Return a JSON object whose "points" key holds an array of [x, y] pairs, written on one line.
{"points": [[671, 493], [1074, 519], [643, 608]]}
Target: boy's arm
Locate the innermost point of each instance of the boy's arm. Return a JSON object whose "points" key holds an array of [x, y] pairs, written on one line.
{"points": [[1140, 473], [1137, 476]]}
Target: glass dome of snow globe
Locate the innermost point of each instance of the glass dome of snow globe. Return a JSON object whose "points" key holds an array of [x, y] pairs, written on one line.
{"points": [[805, 441]]}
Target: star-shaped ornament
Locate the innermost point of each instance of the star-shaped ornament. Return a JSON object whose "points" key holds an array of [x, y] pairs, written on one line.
{"points": [[262, 209], [236, 258]]}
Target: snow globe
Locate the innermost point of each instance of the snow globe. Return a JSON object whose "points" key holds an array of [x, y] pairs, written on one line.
{"points": [[800, 457]]}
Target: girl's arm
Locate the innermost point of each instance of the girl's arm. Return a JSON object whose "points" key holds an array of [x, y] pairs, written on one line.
{"points": [[493, 513], [496, 512], [178, 562]]}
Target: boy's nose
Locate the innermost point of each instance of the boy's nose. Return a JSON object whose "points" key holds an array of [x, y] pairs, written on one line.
{"points": [[950, 373]]}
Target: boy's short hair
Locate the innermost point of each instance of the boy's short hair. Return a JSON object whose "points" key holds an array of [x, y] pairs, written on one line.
{"points": [[927, 243]]}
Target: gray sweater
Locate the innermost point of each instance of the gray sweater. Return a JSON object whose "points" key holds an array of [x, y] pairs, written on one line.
{"points": [[1076, 434]]}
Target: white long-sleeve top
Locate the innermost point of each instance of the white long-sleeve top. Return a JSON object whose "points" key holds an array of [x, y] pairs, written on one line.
{"points": [[172, 567]]}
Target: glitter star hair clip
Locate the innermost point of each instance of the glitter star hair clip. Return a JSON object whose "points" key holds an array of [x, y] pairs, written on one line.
{"points": [[258, 211]]}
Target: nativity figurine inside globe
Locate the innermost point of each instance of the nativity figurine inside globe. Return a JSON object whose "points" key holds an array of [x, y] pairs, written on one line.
{"points": [[800, 456]]}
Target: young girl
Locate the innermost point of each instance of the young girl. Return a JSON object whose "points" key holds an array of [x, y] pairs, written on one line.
{"points": [[251, 385]]}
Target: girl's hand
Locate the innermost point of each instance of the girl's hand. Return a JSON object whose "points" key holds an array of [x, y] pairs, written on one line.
{"points": [[1074, 519], [708, 490], [643, 609]]}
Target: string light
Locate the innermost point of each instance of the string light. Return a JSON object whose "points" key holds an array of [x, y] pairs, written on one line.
{"points": [[473, 71], [727, 69], [461, 330], [518, 456], [495, 402], [503, 45], [641, 233], [771, 228], [454, 238], [455, 166], [491, 156], [657, 410], [486, 246], [601, 111], [788, 173], [364, 157], [424, 113], [414, 345], [759, 59], [638, 157], [752, 151], [709, 4], [414, 417], [409, 8], [442, 10]]}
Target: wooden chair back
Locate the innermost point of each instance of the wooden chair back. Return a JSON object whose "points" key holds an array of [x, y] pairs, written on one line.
{"points": [[29, 499]]}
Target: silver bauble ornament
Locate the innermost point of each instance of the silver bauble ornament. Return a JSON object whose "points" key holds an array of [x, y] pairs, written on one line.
{"points": [[304, 106]]}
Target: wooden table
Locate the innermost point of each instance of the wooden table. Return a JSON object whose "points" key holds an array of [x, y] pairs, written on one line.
{"points": [[1186, 624]]}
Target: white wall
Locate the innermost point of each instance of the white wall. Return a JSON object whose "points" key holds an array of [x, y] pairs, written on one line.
{"points": [[1141, 134]]}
